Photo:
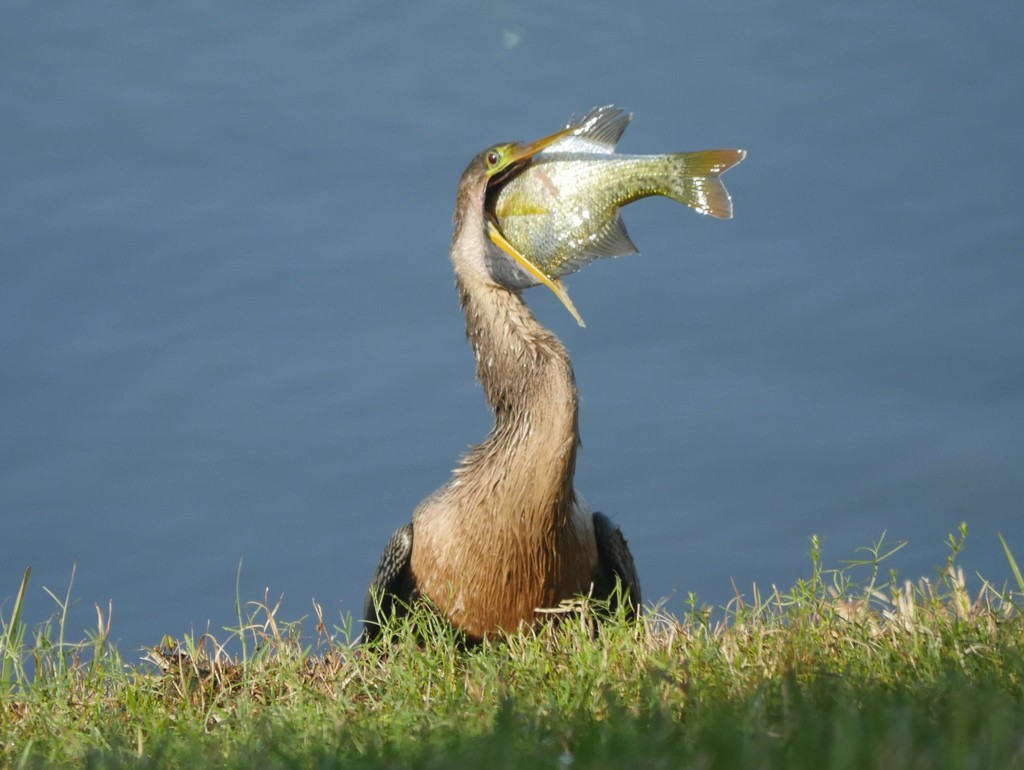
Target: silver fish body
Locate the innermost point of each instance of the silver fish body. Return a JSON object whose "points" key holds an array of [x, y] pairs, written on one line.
{"points": [[560, 210]]}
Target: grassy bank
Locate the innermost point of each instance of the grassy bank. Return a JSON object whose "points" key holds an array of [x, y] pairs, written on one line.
{"points": [[850, 668]]}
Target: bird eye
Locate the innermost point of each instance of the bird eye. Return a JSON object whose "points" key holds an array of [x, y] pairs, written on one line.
{"points": [[493, 157]]}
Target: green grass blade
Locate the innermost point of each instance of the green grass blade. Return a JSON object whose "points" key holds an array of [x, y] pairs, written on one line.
{"points": [[1013, 563], [238, 612], [11, 638]]}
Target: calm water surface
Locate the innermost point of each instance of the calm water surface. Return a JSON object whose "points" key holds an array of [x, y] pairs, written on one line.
{"points": [[228, 333]]}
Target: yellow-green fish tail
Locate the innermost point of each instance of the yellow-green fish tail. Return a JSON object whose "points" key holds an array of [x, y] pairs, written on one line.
{"points": [[693, 180]]}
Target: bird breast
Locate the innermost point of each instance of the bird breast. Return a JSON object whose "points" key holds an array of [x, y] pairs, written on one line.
{"points": [[490, 573]]}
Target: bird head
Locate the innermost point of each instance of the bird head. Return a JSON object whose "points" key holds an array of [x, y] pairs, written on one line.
{"points": [[504, 159], [494, 256], [507, 265]]}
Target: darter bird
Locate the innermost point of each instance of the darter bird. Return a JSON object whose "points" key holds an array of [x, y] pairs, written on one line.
{"points": [[508, 535]]}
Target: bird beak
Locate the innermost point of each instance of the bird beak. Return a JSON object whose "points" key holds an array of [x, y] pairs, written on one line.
{"points": [[522, 152], [527, 151]]}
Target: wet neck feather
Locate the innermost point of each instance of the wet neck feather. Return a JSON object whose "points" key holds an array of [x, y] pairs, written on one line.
{"points": [[529, 458]]}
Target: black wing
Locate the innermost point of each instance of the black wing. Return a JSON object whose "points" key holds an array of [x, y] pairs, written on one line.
{"points": [[391, 589], [614, 562]]}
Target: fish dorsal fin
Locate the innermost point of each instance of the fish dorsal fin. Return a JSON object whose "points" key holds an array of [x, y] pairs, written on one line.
{"points": [[611, 241], [598, 131]]}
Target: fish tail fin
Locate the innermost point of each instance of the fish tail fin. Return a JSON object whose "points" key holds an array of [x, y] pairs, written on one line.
{"points": [[695, 182]]}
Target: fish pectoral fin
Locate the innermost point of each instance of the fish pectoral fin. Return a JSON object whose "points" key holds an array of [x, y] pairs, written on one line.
{"points": [[517, 208], [555, 284]]}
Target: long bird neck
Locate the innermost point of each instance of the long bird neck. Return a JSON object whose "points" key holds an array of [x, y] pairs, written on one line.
{"points": [[504, 536], [527, 462]]}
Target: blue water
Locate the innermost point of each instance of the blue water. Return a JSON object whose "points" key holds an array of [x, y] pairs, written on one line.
{"points": [[228, 333]]}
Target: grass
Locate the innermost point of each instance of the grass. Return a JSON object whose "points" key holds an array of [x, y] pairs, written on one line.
{"points": [[851, 668]]}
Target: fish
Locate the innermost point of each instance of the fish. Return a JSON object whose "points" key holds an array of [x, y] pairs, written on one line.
{"points": [[558, 210]]}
